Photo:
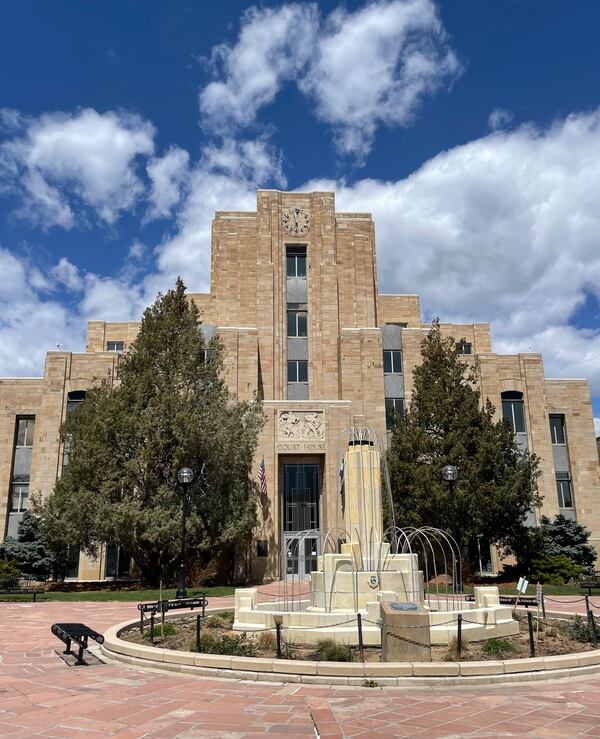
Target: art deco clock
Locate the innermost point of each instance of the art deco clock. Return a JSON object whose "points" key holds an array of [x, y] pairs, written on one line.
{"points": [[296, 222]]}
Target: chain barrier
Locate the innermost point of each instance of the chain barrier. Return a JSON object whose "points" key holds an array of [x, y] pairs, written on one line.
{"points": [[407, 640], [559, 600], [316, 628]]}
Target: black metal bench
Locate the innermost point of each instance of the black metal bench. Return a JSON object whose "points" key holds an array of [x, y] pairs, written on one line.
{"points": [[590, 585], [33, 592], [79, 634], [511, 600]]}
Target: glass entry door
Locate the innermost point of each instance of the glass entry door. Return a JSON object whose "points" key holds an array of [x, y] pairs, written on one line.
{"points": [[301, 555], [300, 513]]}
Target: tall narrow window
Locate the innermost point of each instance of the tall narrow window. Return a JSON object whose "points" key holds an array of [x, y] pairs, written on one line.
{"points": [[297, 370], [557, 429], [296, 261], [296, 323], [393, 406], [513, 410], [19, 497], [563, 489], [74, 399], [392, 361]]}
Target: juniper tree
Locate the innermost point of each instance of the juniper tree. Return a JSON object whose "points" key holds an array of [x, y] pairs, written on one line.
{"points": [[169, 409], [29, 550], [446, 423]]}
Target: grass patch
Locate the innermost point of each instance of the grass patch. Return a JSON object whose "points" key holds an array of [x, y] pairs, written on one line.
{"points": [[166, 629], [236, 646], [498, 647], [330, 651], [125, 596]]}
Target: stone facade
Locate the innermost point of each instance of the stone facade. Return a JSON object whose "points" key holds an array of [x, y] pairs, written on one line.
{"points": [[345, 327]]}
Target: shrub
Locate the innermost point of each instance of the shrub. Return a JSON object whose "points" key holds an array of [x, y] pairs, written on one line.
{"points": [[330, 651], [266, 641], [498, 647], [9, 574], [236, 646], [578, 629], [222, 620], [554, 569]]}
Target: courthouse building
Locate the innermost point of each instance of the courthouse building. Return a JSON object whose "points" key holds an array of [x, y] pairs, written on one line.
{"points": [[294, 300]]}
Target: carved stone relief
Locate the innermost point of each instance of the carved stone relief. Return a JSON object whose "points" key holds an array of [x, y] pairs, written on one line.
{"points": [[301, 425]]}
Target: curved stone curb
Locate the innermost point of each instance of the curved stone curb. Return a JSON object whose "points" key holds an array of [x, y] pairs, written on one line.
{"points": [[403, 674]]}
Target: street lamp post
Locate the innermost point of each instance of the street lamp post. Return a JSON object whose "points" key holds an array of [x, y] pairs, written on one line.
{"points": [[185, 477], [450, 474]]}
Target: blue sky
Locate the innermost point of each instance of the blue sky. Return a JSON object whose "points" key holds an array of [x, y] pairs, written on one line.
{"points": [[471, 130]]}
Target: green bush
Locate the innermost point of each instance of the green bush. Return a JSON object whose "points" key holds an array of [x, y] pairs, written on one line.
{"points": [[578, 629], [236, 646], [498, 647], [9, 574], [554, 569], [330, 651]]}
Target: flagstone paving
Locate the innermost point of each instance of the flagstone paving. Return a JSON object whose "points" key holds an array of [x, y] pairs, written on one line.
{"points": [[41, 696]]}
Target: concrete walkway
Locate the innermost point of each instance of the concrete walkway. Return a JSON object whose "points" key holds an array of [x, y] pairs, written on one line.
{"points": [[41, 696]]}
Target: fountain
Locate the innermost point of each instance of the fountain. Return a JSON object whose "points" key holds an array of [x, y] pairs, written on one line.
{"points": [[360, 567]]}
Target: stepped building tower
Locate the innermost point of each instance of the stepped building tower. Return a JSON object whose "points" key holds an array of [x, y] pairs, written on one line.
{"points": [[294, 300]]}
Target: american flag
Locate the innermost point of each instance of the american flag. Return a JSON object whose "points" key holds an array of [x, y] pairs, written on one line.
{"points": [[262, 477]]}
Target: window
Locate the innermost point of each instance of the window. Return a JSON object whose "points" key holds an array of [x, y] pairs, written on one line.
{"points": [[262, 548], [117, 561], [296, 261], [296, 323], [74, 398], [72, 561], [19, 497], [557, 429], [115, 346], [465, 347], [393, 406], [513, 410], [25, 429], [563, 489], [297, 370], [392, 361]]}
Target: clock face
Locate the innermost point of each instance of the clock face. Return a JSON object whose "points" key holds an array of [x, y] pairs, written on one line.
{"points": [[296, 222]]}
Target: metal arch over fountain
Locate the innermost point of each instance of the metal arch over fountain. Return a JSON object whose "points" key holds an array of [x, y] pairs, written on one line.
{"points": [[361, 565]]}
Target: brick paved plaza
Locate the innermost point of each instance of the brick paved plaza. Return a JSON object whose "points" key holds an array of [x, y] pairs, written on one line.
{"points": [[41, 696]]}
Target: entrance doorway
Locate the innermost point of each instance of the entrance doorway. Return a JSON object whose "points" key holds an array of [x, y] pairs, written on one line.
{"points": [[300, 513]]}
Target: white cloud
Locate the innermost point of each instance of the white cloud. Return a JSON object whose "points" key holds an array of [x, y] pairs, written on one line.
{"points": [[499, 118], [168, 175], [273, 46], [30, 325], [88, 158], [363, 69], [67, 274], [503, 229], [374, 67]]}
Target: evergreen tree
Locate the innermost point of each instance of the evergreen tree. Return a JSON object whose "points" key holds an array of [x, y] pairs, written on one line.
{"points": [[29, 550], [169, 409], [446, 423]]}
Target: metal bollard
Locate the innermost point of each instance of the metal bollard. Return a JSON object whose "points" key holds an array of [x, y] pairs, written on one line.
{"points": [[543, 606], [152, 628], [278, 635], [198, 618], [141, 622], [591, 620], [531, 640], [361, 646], [459, 636]]}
